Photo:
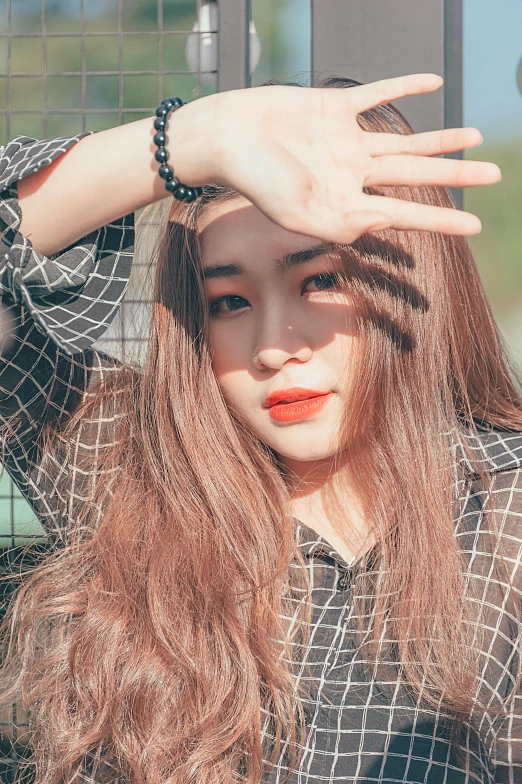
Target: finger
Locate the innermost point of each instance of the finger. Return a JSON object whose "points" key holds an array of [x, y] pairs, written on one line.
{"points": [[424, 217], [416, 170], [334, 225], [367, 96], [428, 143]]}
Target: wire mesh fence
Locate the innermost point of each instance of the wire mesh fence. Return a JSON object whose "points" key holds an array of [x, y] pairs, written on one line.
{"points": [[74, 65]]}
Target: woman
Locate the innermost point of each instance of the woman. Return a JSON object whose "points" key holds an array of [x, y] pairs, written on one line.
{"points": [[288, 548]]}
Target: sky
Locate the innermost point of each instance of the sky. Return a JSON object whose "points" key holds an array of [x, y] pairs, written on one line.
{"points": [[492, 50]]}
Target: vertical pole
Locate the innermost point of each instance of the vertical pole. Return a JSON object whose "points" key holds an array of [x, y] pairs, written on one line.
{"points": [[233, 45], [453, 99], [369, 40]]}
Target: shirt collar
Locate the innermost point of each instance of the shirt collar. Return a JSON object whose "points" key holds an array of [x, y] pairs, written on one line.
{"points": [[494, 450], [312, 544]]}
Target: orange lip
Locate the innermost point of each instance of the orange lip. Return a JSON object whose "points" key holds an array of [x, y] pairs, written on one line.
{"points": [[299, 409]]}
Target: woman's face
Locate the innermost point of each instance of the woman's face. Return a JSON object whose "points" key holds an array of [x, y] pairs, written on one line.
{"points": [[274, 328]]}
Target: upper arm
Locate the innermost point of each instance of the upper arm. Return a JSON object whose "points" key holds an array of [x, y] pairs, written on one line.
{"points": [[52, 310]]}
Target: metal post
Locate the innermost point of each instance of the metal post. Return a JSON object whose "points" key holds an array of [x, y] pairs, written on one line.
{"points": [[453, 100], [368, 40], [234, 51]]}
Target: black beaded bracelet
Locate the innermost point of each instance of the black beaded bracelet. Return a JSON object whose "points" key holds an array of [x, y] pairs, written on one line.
{"points": [[172, 184]]}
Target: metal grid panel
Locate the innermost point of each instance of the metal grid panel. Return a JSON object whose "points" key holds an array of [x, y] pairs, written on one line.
{"points": [[75, 65]]}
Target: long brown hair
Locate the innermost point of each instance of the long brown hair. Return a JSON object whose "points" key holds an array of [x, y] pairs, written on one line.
{"points": [[165, 634]]}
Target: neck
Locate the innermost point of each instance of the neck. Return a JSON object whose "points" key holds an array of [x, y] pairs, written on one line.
{"points": [[325, 496]]}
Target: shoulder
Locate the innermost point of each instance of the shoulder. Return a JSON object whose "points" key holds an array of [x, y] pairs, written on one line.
{"points": [[488, 528], [498, 455], [491, 451]]}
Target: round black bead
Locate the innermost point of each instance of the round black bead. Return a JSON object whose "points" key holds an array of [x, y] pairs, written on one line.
{"points": [[168, 103], [160, 139], [191, 194], [162, 111], [199, 190], [160, 123], [181, 193], [165, 172], [172, 184], [161, 155], [174, 101]]}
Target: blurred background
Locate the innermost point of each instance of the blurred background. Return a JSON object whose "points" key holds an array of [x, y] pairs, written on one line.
{"points": [[73, 65]]}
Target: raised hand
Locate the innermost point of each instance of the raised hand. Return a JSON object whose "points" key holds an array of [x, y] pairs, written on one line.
{"points": [[298, 153], [301, 157]]}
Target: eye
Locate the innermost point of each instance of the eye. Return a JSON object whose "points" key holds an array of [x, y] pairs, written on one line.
{"points": [[233, 304], [324, 281]]}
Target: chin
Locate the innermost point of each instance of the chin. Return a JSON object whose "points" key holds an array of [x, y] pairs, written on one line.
{"points": [[306, 451], [297, 442]]}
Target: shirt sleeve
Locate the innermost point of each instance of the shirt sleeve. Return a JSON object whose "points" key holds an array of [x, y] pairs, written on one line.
{"points": [[501, 616], [52, 311]]}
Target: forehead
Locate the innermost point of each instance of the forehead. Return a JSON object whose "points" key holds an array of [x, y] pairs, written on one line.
{"points": [[238, 226]]}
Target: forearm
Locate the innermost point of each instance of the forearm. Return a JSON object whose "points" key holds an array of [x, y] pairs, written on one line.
{"points": [[110, 174]]}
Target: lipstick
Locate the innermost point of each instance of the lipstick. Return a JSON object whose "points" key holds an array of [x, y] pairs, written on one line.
{"points": [[289, 405]]}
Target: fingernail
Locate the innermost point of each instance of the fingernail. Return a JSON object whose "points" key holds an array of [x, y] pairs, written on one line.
{"points": [[474, 225]]}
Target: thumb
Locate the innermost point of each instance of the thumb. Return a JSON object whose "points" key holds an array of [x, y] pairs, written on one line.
{"points": [[365, 221]]}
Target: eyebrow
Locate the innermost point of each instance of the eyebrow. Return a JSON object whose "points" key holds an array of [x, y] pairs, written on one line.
{"points": [[288, 260]]}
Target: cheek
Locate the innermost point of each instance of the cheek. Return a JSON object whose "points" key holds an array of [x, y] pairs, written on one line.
{"points": [[239, 391], [336, 336], [230, 365], [336, 315], [229, 356], [336, 357]]}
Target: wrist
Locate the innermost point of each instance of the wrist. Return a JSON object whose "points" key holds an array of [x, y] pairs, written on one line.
{"points": [[192, 143]]}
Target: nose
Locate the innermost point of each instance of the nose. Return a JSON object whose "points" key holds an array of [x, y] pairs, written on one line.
{"points": [[278, 341]]}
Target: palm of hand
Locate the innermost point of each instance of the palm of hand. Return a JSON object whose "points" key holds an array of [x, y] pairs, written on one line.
{"points": [[301, 157]]}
